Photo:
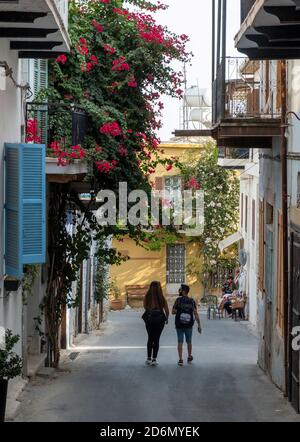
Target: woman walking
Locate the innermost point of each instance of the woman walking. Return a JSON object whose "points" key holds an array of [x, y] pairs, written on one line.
{"points": [[156, 316]]}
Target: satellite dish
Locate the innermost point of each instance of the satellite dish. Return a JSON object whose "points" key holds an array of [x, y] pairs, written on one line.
{"points": [[243, 257]]}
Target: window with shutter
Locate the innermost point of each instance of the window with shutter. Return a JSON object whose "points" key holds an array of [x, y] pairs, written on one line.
{"points": [[242, 210], [280, 274], [41, 82], [25, 224], [246, 213], [253, 220], [261, 260]]}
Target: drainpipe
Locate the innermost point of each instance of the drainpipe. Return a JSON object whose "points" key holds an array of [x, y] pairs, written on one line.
{"points": [[284, 151]]}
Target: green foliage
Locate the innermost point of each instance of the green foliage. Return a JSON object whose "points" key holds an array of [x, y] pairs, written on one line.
{"points": [[30, 274], [221, 200], [113, 290], [10, 363], [128, 98]]}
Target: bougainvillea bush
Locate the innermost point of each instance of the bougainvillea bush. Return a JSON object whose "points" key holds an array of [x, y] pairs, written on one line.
{"points": [[221, 211], [119, 65]]}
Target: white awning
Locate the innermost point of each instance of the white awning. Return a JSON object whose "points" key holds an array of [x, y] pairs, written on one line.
{"points": [[232, 239]]}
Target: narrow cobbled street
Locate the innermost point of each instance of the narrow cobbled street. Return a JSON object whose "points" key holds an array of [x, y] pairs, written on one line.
{"points": [[105, 379]]}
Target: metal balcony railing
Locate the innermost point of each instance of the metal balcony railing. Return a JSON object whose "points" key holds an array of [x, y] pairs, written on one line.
{"points": [[245, 88], [62, 6], [236, 153], [66, 124]]}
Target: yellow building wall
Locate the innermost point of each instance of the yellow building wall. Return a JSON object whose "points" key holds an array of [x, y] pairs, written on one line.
{"points": [[144, 266]]}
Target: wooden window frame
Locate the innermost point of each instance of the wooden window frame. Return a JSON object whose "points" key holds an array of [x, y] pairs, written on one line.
{"points": [[261, 260], [280, 275], [253, 219], [242, 210], [246, 213]]}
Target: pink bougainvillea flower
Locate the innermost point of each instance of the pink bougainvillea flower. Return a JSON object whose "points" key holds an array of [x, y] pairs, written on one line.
{"points": [[104, 1], [82, 47], [169, 167], [109, 49], [112, 129], [94, 60], [132, 83], [120, 65], [97, 26], [98, 149], [123, 151], [55, 145], [154, 143], [62, 59], [105, 166], [78, 151], [33, 133], [193, 184]]}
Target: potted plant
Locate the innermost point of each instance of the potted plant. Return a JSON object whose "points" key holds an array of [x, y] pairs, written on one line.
{"points": [[10, 367], [116, 302]]}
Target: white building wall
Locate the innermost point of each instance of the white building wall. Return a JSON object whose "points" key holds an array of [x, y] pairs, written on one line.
{"points": [[10, 131], [249, 187], [270, 192]]}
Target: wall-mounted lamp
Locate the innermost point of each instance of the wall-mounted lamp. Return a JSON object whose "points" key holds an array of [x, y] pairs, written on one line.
{"points": [[7, 72]]}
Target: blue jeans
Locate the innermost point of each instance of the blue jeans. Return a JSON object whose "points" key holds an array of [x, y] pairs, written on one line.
{"points": [[184, 332]]}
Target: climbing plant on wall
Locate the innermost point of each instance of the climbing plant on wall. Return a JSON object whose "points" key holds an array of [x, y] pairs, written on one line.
{"points": [[119, 66], [221, 210]]}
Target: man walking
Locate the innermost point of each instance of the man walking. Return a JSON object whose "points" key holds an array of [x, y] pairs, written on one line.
{"points": [[185, 309]]}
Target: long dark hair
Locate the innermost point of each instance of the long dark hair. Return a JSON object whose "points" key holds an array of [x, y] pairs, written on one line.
{"points": [[154, 296]]}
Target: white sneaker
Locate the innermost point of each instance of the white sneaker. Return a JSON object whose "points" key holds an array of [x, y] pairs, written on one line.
{"points": [[148, 362], [154, 363]]}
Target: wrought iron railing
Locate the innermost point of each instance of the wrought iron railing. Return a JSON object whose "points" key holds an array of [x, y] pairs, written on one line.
{"points": [[234, 153], [245, 88], [65, 123]]}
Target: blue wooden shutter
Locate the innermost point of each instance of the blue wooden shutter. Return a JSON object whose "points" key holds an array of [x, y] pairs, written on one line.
{"points": [[25, 207], [33, 203], [13, 211]]}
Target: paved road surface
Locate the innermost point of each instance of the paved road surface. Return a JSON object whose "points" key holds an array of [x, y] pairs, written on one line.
{"points": [[109, 381]]}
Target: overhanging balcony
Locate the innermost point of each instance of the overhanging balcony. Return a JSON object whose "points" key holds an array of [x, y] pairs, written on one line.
{"points": [[246, 104], [36, 29], [234, 158], [271, 30], [66, 125]]}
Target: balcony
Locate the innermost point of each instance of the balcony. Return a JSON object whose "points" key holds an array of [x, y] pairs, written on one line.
{"points": [[66, 124], [246, 103], [36, 29], [270, 30], [233, 158]]}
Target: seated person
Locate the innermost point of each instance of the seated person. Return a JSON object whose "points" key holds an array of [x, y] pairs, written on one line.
{"points": [[227, 293]]}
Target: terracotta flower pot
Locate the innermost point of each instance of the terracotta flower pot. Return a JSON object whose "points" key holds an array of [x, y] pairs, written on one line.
{"points": [[3, 396], [116, 304]]}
